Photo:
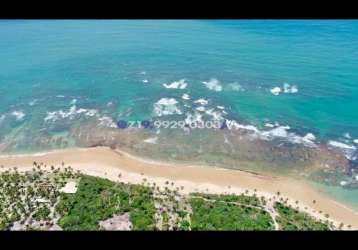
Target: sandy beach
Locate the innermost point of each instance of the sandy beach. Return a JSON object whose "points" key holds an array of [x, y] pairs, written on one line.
{"points": [[120, 166]]}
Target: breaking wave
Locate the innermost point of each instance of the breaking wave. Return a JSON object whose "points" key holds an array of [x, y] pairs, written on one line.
{"points": [[181, 84], [70, 114], [19, 115], [213, 84], [166, 106]]}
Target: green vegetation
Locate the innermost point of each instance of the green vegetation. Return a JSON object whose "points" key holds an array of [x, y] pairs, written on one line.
{"points": [[43, 213], [292, 219], [98, 199], [244, 199], [211, 214], [35, 200], [30, 194]]}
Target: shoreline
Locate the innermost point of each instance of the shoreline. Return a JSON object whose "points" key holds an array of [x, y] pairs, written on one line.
{"points": [[107, 163]]}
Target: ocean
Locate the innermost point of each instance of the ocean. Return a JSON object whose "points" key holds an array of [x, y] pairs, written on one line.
{"points": [[289, 86]]}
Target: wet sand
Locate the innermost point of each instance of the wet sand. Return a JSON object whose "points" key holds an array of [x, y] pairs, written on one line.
{"points": [[107, 163]]}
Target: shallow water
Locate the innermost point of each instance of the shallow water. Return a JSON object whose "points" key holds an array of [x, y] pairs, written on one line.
{"points": [[348, 197]]}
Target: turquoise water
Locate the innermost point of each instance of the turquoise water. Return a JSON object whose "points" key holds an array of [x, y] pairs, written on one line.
{"points": [[101, 61], [338, 193], [58, 77]]}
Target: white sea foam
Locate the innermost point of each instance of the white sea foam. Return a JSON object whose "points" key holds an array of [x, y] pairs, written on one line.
{"points": [[214, 114], [19, 115], [78, 111], [220, 107], [91, 112], [234, 125], [145, 81], [310, 137], [73, 102], [107, 121], [282, 132], [355, 141], [278, 132], [185, 97], [70, 114], [167, 101], [54, 116], [341, 145], [307, 140], [166, 106], [347, 135], [269, 125], [109, 104], [213, 84], [235, 87], [193, 118], [60, 114], [143, 73], [152, 140], [348, 150], [201, 108], [60, 96], [202, 101], [287, 88], [181, 84], [275, 90]]}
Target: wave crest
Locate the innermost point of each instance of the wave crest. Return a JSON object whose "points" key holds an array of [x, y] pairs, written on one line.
{"points": [[213, 84]]}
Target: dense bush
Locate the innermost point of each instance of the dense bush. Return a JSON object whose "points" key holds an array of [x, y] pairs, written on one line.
{"points": [[98, 199], [219, 215], [292, 219]]}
